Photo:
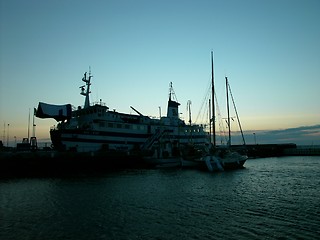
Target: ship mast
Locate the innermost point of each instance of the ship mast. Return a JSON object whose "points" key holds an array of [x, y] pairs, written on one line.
{"points": [[86, 92], [229, 129], [213, 108], [172, 94]]}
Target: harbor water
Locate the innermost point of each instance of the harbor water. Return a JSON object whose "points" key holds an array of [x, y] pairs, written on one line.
{"points": [[271, 198]]}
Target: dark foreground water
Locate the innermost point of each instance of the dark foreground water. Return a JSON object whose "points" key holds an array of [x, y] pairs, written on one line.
{"points": [[272, 198]]}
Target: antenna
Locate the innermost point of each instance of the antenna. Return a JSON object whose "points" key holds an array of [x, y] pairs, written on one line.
{"points": [[29, 125]]}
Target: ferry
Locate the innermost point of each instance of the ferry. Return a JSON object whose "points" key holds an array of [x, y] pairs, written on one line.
{"points": [[94, 127]]}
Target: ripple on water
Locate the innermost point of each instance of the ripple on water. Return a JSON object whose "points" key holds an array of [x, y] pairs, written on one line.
{"points": [[275, 198]]}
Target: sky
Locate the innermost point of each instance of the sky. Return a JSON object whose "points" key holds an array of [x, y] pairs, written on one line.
{"points": [[269, 50]]}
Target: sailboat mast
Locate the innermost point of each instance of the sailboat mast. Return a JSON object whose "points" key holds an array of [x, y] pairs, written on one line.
{"points": [[213, 108], [229, 130]]}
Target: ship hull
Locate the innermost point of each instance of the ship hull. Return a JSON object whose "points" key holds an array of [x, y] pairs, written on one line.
{"points": [[88, 141], [234, 165], [230, 161]]}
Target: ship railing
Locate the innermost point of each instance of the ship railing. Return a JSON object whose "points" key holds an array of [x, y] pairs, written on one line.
{"points": [[99, 103]]}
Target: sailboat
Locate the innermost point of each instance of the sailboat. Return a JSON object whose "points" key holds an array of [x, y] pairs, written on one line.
{"points": [[210, 156], [224, 157]]}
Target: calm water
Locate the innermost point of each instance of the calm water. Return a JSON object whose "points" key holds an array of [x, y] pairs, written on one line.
{"points": [[272, 198]]}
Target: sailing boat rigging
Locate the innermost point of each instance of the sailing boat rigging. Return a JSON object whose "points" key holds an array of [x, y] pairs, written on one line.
{"points": [[213, 157], [223, 158]]}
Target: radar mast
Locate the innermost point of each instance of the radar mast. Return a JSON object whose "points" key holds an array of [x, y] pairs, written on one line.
{"points": [[85, 89]]}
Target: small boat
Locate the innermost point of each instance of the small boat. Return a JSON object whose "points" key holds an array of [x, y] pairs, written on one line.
{"points": [[162, 153]]}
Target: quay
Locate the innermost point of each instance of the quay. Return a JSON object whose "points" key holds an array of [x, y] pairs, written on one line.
{"points": [[278, 150], [308, 150], [47, 162]]}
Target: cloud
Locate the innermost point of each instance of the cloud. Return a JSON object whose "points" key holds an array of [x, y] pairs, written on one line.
{"points": [[304, 135]]}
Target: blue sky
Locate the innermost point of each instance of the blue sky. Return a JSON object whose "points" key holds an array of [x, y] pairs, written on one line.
{"points": [[269, 50]]}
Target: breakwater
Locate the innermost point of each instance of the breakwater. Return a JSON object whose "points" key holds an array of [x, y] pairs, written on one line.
{"points": [[278, 150], [310, 150]]}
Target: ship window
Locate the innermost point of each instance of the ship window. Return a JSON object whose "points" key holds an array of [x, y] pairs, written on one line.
{"points": [[127, 126], [110, 125], [101, 124], [119, 126]]}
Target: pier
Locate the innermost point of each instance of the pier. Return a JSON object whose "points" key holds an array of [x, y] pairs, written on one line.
{"points": [[308, 150], [278, 150]]}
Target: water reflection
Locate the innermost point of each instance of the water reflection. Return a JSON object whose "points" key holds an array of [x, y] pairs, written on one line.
{"points": [[270, 198]]}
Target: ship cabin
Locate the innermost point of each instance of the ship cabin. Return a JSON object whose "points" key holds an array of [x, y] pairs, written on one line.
{"points": [[96, 110]]}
